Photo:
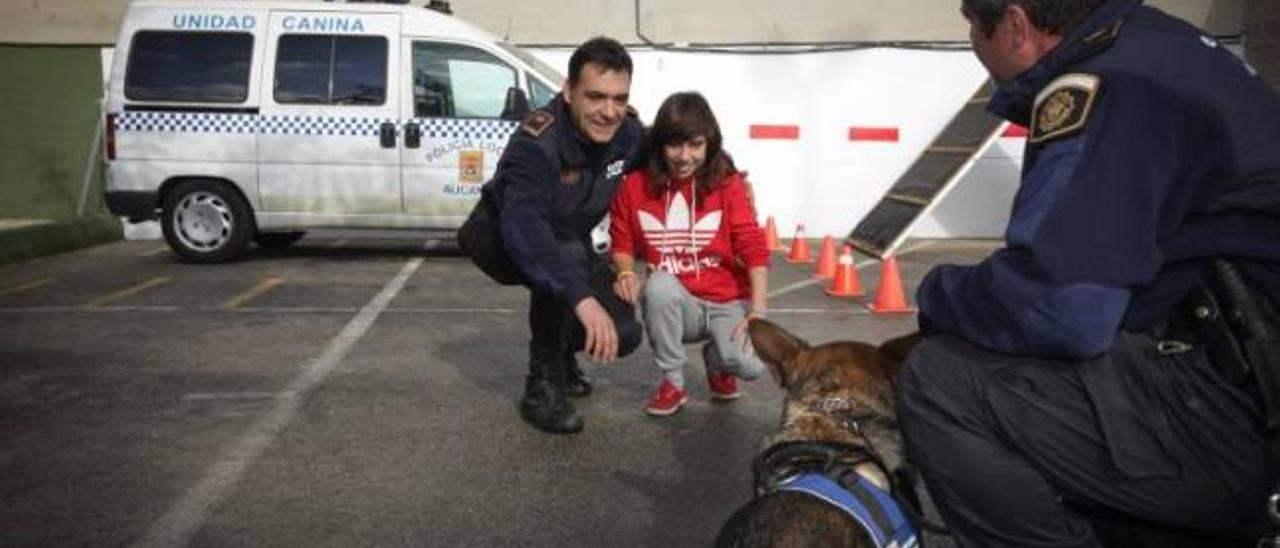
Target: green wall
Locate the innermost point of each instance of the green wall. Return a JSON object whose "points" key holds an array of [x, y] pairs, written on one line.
{"points": [[49, 113]]}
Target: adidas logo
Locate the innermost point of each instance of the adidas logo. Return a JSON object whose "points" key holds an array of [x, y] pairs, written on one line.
{"points": [[675, 241]]}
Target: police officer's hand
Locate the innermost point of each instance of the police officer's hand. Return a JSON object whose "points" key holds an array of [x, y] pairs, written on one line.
{"points": [[627, 286], [602, 337]]}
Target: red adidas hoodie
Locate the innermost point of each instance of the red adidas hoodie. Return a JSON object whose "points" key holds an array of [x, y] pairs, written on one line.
{"points": [[710, 251]]}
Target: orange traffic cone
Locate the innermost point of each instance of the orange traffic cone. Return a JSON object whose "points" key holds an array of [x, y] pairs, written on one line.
{"points": [[845, 283], [800, 248], [771, 235], [826, 260], [890, 298]]}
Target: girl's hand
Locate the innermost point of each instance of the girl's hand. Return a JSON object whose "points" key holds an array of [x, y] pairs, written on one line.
{"points": [[627, 287], [740, 331]]}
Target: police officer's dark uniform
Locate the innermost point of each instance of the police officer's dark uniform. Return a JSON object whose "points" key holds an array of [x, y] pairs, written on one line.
{"points": [[552, 187], [1051, 373]]}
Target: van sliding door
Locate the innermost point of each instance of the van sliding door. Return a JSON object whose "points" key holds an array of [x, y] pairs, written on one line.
{"points": [[329, 145]]}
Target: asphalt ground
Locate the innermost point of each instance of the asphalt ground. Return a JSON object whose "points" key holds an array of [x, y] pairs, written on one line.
{"points": [[355, 393]]}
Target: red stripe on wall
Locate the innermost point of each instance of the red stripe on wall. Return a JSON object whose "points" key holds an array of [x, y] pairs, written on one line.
{"points": [[1014, 130], [884, 134], [775, 132]]}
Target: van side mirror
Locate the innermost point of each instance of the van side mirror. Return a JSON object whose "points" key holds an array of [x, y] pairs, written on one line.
{"points": [[516, 106]]}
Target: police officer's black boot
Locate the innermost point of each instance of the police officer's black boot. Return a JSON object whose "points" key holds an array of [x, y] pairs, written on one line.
{"points": [[577, 384], [545, 404]]}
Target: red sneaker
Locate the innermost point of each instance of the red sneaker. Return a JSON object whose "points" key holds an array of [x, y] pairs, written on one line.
{"points": [[667, 400], [724, 386]]}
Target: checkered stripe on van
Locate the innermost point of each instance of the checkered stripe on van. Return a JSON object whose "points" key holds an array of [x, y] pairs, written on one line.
{"points": [[320, 125], [454, 128], [203, 122], [187, 122]]}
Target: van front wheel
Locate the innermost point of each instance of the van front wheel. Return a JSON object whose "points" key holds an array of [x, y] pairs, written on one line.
{"points": [[206, 222]]}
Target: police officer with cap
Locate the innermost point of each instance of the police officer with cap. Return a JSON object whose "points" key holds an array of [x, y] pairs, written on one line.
{"points": [[1115, 362], [552, 187]]}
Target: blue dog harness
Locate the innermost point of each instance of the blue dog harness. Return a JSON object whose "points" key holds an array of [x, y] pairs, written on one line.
{"points": [[871, 506]]}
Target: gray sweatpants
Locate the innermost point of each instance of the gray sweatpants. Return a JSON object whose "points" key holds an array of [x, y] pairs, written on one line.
{"points": [[674, 317]]}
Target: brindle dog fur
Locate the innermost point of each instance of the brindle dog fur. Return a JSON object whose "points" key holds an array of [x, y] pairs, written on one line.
{"points": [[825, 385]]}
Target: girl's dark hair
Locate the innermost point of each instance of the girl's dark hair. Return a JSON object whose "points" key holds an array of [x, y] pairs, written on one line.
{"points": [[1056, 16], [683, 117]]}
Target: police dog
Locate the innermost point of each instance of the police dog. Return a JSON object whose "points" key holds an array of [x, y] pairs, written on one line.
{"points": [[838, 419]]}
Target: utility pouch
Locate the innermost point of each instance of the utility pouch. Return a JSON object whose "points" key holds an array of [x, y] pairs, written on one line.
{"points": [[480, 237], [1252, 319], [1239, 328], [1200, 319], [1253, 327]]}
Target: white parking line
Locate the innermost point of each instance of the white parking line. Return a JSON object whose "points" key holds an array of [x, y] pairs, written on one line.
{"points": [[188, 514]]}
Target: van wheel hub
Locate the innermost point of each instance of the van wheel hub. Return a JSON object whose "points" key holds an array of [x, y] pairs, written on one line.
{"points": [[203, 221]]}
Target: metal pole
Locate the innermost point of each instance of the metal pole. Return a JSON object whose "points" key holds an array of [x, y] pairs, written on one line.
{"points": [[94, 150]]}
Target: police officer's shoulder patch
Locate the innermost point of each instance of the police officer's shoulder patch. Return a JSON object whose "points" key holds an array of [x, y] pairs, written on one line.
{"points": [[1063, 107], [537, 122]]}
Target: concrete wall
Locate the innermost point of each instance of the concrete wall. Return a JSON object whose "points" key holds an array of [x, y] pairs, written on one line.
{"points": [[663, 21], [819, 175], [50, 115], [1262, 38]]}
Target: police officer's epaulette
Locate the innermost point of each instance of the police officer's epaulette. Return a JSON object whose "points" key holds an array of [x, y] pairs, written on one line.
{"points": [[1063, 107], [537, 122], [1104, 35]]}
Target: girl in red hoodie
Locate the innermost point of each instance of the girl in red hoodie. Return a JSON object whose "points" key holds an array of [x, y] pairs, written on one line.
{"points": [[688, 216]]}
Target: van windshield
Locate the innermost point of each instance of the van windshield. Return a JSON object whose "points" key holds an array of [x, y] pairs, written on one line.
{"points": [[550, 76]]}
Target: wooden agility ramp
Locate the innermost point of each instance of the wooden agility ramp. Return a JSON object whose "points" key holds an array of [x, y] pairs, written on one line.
{"points": [[947, 159]]}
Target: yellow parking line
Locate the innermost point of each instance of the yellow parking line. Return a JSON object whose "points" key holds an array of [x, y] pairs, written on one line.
{"points": [[155, 251], [25, 287], [338, 243], [107, 299], [252, 293]]}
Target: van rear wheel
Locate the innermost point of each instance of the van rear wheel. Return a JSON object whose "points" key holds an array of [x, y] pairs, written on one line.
{"points": [[206, 221]]}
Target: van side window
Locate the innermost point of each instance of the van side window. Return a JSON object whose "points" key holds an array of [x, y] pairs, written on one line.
{"points": [[540, 94], [451, 80], [189, 67], [331, 69]]}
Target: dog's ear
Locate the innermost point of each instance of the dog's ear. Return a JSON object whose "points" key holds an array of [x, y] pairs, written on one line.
{"points": [[775, 345]]}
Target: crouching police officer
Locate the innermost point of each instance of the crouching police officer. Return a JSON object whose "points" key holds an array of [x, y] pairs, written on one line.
{"points": [[553, 185], [1110, 361]]}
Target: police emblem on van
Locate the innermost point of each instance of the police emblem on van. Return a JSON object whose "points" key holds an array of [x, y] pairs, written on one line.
{"points": [[471, 166]]}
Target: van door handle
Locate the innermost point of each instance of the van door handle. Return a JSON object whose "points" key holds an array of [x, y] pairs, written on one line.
{"points": [[412, 135], [387, 134]]}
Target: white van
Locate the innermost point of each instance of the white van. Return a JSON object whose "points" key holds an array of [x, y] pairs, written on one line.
{"points": [[233, 121]]}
